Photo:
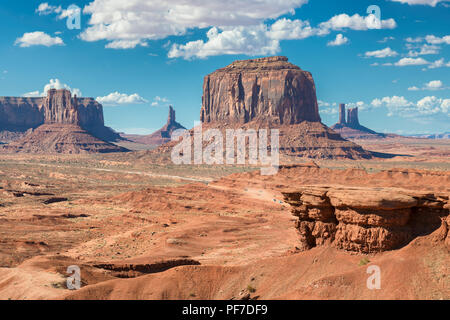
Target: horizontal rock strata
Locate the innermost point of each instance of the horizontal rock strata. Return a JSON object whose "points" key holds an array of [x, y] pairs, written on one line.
{"points": [[267, 89], [365, 219], [19, 114]]}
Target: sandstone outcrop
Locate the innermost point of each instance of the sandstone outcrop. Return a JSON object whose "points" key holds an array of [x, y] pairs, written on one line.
{"points": [[21, 114], [266, 89], [363, 219], [350, 128], [161, 136]]}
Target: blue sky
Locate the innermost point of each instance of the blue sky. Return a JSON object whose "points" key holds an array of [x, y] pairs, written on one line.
{"points": [[139, 56]]}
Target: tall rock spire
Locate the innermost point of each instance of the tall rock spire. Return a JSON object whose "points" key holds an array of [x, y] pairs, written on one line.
{"points": [[171, 119], [342, 113], [352, 117]]}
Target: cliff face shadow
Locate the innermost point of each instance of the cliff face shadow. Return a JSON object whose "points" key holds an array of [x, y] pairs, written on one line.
{"points": [[384, 155]]}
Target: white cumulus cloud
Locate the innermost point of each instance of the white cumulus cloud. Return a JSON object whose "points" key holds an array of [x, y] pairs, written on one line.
{"points": [[356, 22], [384, 53], [262, 39], [432, 85], [158, 101], [126, 44], [437, 40], [411, 62], [38, 38], [432, 105], [432, 3], [430, 39], [46, 9], [287, 29], [426, 106], [234, 27], [32, 94], [425, 49], [238, 40], [156, 19], [53, 84], [116, 99], [386, 39], [339, 41], [438, 64]]}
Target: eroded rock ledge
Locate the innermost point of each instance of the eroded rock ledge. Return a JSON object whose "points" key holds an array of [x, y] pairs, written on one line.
{"points": [[366, 220]]}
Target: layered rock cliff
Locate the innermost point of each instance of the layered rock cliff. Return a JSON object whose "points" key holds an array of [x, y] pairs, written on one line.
{"points": [[22, 114], [266, 89], [366, 219], [58, 123]]}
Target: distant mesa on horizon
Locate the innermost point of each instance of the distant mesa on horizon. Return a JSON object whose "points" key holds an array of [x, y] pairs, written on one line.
{"points": [[57, 123], [434, 136], [19, 114]]}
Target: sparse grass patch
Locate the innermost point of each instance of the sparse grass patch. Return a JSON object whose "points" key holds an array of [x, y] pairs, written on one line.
{"points": [[363, 261], [251, 289], [58, 285]]}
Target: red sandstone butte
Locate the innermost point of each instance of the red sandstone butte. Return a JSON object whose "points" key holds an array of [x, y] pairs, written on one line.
{"points": [[267, 89], [65, 127], [19, 114]]}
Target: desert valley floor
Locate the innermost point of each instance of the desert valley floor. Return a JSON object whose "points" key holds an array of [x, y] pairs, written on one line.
{"points": [[143, 230]]}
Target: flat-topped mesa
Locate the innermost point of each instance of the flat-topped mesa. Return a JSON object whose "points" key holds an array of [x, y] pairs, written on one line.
{"points": [[267, 89], [69, 125], [267, 63], [58, 107]]}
